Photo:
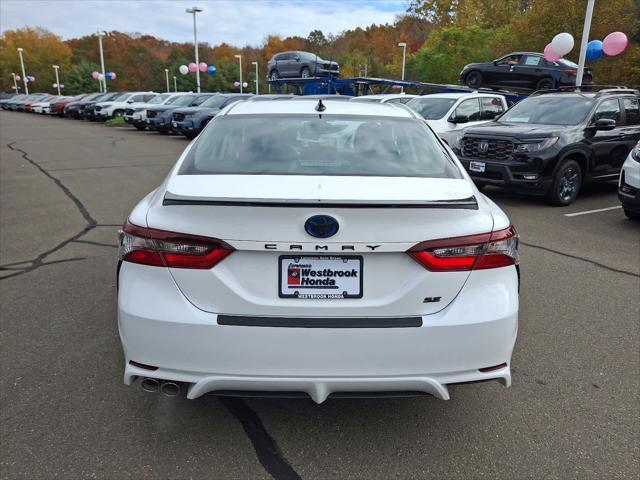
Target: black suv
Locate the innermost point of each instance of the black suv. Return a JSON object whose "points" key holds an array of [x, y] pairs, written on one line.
{"points": [[553, 142], [526, 70]]}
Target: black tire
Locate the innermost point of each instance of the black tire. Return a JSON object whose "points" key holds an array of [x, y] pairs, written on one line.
{"points": [[567, 181], [305, 72], [274, 75], [545, 84], [473, 79], [631, 215], [140, 126], [118, 113]]}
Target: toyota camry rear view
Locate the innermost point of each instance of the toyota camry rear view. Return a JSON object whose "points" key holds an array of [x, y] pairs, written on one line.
{"points": [[318, 247]]}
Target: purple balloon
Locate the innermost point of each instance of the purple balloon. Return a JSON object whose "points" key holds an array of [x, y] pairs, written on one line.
{"points": [[614, 43]]}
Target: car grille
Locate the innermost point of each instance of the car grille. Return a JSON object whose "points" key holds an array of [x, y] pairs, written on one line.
{"points": [[129, 111], [178, 117], [494, 149], [151, 113]]}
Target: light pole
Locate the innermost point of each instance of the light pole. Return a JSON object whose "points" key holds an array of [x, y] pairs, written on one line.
{"points": [[166, 74], [195, 10], [256, 64], [239, 57], [104, 78], [175, 84], [404, 56], [15, 83], [56, 67], [585, 41], [24, 75]]}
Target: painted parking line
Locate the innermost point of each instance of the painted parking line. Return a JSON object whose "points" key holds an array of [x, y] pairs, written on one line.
{"points": [[587, 212]]}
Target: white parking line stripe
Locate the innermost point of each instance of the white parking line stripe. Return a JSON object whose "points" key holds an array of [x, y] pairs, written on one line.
{"points": [[586, 212]]}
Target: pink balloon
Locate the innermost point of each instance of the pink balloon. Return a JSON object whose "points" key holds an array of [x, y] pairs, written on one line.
{"points": [[94, 75], [193, 67], [113, 75], [17, 78], [614, 43], [202, 67], [550, 55]]}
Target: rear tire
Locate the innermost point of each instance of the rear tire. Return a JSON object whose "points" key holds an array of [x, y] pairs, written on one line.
{"points": [[567, 181], [545, 84], [473, 79], [118, 113], [631, 215], [140, 127], [305, 72]]}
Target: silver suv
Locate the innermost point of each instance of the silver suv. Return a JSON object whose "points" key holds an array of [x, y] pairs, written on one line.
{"points": [[300, 65]]}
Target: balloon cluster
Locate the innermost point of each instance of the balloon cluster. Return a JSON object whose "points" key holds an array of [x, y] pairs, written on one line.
{"points": [[562, 43], [237, 84], [55, 85], [99, 76], [193, 68], [28, 77]]}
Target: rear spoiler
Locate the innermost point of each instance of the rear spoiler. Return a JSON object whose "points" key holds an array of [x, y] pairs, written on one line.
{"points": [[172, 200]]}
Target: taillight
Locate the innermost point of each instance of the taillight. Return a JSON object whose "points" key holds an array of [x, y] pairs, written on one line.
{"points": [[571, 72], [473, 252], [159, 248]]}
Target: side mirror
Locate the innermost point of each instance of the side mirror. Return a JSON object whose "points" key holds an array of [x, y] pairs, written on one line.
{"points": [[130, 101], [495, 63], [297, 58], [458, 118], [605, 124]]}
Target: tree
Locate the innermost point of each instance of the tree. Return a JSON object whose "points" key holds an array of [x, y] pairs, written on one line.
{"points": [[79, 80]]}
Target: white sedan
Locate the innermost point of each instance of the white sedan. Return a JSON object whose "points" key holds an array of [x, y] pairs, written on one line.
{"points": [[321, 247], [449, 113]]}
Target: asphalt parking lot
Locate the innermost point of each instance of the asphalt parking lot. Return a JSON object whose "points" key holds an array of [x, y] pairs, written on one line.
{"points": [[66, 187]]}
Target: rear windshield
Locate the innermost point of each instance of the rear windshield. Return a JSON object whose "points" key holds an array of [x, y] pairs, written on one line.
{"points": [[550, 110], [158, 99], [182, 100], [432, 108], [308, 145]]}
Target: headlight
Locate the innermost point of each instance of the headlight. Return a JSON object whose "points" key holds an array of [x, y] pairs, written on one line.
{"points": [[536, 145], [635, 153]]}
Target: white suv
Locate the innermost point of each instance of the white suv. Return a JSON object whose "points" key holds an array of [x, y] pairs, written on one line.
{"points": [[448, 113], [629, 184], [106, 110]]}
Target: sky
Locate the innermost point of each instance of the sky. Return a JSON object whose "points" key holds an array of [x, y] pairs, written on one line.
{"points": [[236, 22]]}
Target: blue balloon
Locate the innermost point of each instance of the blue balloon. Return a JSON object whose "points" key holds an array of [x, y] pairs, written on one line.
{"points": [[211, 70], [594, 50]]}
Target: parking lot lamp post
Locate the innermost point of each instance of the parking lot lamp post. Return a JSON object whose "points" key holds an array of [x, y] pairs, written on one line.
{"points": [[585, 41], [175, 84], [256, 64], [404, 56], [239, 57], [166, 74], [194, 11], [104, 78], [55, 68], [24, 75]]}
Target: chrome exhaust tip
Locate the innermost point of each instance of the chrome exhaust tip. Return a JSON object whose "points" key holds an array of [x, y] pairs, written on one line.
{"points": [[170, 389], [150, 385]]}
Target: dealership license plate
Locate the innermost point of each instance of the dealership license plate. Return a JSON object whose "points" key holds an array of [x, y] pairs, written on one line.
{"points": [[321, 277], [477, 167]]}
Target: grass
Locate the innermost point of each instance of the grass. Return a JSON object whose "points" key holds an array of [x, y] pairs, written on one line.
{"points": [[115, 122]]}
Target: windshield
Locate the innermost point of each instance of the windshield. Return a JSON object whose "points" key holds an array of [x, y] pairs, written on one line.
{"points": [[550, 110], [158, 99], [215, 102], [432, 108], [308, 145], [183, 100]]}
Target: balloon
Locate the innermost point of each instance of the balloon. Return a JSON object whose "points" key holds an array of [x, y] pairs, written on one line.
{"points": [[245, 84], [211, 70], [112, 75], [17, 78], [55, 85], [562, 44], [62, 85], [183, 69], [236, 84], [202, 67], [100, 76], [549, 54], [193, 67], [32, 79], [594, 50], [94, 75], [614, 43]]}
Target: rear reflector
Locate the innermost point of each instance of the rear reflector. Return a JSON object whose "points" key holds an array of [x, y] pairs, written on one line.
{"points": [[158, 248], [491, 369], [473, 252]]}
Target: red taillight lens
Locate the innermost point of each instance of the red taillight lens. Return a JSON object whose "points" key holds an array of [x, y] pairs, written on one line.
{"points": [[473, 252], [570, 72], [159, 248]]}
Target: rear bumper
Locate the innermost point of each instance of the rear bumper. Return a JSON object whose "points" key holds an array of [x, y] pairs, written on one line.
{"points": [[159, 327]]}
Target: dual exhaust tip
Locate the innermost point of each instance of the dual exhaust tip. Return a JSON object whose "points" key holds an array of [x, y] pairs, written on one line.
{"points": [[167, 387]]}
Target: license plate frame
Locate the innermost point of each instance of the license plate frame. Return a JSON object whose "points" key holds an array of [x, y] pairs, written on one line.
{"points": [[321, 292], [478, 167]]}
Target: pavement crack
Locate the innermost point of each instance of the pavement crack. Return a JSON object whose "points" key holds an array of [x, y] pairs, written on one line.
{"points": [[265, 446], [588, 260]]}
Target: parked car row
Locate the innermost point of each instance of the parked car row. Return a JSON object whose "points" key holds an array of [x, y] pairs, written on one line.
{"points": [[551, 144]]}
